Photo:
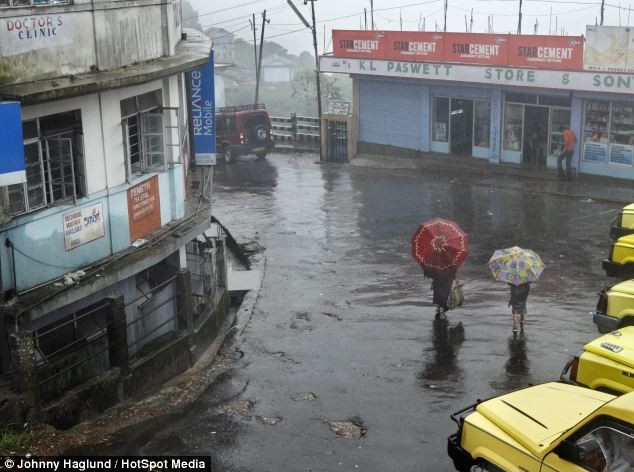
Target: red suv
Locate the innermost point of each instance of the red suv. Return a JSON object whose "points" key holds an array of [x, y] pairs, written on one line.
{"points": [[244, 129]]}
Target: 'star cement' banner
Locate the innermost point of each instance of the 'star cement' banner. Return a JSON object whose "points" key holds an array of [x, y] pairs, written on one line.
{"points": [[11, 143], [203, 112]]}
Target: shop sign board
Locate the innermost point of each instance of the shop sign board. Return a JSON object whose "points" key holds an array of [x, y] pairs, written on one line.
{"points": [[355, 43], [547, 52], [476, 48], [621, 154], [595, 152], [12, 166], [534, 78], [29, 33], [609, 49], [203, 112], [83, 226], [534, 51], [415, 46], [144, 208]]}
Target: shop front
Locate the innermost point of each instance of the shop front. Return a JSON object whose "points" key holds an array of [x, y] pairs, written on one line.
{"points": [[443, 93]]}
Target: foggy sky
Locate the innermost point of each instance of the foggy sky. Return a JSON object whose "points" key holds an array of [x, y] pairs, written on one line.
{"points": [[570, 15]]}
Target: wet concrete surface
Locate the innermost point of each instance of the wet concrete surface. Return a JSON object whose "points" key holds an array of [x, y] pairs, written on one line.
{"points": [[343, 333]]}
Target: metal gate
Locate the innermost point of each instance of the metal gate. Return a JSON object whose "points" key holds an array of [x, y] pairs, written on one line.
{"points": [[337, 141]]}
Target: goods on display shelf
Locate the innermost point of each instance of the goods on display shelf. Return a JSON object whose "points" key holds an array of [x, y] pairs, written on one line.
{"points": [[597, 121], [559, 119]]}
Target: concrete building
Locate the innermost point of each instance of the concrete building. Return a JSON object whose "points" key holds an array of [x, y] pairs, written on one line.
{"points": [[105, 267], [496, 97], [277, 70]]}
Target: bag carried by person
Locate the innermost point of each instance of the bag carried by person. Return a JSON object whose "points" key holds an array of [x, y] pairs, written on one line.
{"points": [[456, 296]]}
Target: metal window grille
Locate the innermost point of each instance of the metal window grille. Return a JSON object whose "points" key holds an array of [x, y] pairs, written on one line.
{"points": [[33, 3]]}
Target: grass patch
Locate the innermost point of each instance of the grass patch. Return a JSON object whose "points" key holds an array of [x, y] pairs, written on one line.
{"points": [[12, 439]]}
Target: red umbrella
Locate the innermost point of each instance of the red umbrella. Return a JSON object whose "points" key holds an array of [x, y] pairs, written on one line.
{"points": [[439, 245]]}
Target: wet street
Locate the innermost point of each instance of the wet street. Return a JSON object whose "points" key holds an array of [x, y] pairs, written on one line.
{"points": [[341, 366]]}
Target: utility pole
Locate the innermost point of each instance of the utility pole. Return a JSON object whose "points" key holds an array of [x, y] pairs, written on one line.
{"points": [[257, 84], [602, 8], [255, 55], [519, 22], [466, 27], [365, 15], [535, 27], [550, 21], [471, 22], [372, 12], [445, 27], [400, 16]]}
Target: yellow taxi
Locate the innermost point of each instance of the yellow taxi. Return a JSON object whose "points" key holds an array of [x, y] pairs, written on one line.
{"points": [[546, 428], [621, 261], [624, 223], [606, 364], [615, 308]]}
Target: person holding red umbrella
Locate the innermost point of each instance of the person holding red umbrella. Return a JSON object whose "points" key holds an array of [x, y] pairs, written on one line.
{"points": [[440, 247]]}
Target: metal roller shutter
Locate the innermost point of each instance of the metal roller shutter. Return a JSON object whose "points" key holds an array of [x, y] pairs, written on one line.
{"points": [[390, 113]]}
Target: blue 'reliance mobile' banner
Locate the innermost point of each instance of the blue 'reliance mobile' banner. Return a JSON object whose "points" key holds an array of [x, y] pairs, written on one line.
{"points": [[203, 112], [11, 144]]}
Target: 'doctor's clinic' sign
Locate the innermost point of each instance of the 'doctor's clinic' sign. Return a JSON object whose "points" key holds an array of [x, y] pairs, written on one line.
{"points": [[203, 112], [12, 162]]}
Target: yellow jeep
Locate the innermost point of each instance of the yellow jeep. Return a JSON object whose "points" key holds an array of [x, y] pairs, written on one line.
{"points": [[605, 364], [624, 223], [615, 308], [621, 261], [546, 428]]}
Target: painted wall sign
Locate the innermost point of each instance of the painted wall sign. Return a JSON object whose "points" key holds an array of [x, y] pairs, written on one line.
{"points": [[29, 33], [535, 51], [561, 80], [548, 52], [203, 110], [83, 226], [12, 162], [609, 49], [355, 43], [144, 208], [595, 152], [621, 154], [415, 46]]}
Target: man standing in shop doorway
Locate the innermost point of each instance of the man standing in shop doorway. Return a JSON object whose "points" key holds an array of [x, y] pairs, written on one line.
{"points": [[570, 141]]}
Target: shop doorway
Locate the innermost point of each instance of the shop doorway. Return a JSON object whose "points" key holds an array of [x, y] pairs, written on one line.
{"points": [[461, 123], [535, 148]]}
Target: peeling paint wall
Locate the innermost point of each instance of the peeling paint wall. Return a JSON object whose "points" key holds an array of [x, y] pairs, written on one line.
{"points": [[39, 43]]}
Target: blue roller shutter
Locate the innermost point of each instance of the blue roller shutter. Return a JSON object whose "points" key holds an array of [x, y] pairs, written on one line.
{"points": [[390, 113]]}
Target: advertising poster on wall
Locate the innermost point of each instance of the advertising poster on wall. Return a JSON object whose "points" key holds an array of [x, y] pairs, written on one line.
{"points": [[415, 46], [83, 226], [621, 154], [144, 208], [354, 43], [595, 152], [200, 87], [609, 49], [548, 52], [476, 48]]}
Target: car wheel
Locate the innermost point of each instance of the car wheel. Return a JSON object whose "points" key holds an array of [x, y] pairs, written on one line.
{"points": [[228, 155], [261, 155], [484, 466]]}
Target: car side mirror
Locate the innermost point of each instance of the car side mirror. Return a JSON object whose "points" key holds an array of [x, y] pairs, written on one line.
{"points": [[570, 451]]}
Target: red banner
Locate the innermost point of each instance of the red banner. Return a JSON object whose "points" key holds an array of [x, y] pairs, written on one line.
{"points": [[476, 48], [546, 52], [506, 50], [354, 43], [415, 46]]}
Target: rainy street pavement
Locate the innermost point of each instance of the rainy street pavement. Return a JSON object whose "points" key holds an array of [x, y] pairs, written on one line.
{"points": [[341, 366]]}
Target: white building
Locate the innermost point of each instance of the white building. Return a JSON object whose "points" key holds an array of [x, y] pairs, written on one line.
{"points": [[106, 141]]}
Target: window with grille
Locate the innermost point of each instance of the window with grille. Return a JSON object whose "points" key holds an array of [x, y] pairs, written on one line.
{"points": [[143, 124], [54, 163]]}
